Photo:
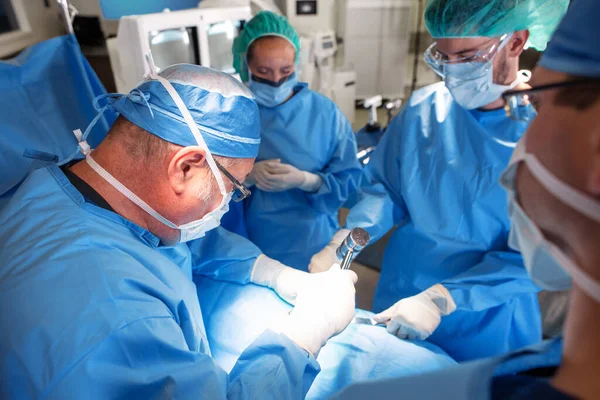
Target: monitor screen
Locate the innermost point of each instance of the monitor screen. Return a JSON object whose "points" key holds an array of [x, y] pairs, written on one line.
{"points": [[220, 41], [174, 46]]}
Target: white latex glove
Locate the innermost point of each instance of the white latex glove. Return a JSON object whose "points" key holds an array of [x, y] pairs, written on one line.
{"points": [[260, 175], [323, 309], [280, 177], [284, 280], [417, 317], [321, 261]]}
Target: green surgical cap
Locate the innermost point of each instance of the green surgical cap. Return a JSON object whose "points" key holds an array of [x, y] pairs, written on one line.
{"points": [[265, 23], [494, 18]]}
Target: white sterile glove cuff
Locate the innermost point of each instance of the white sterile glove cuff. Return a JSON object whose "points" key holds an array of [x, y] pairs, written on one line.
{"points": [[312, 182], [300, 330], [275, 176], [284, 280], [417, 317], [323, 309], [325, 258]]}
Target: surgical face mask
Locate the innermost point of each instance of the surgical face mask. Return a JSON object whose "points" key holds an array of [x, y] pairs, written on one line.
{"points": [[188, 231], [271, 94], [472, 83], [548, 266], [197, 229]]}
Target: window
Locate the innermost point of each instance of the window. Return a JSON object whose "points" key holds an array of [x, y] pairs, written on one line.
{"points": [[15, 31], [220, 40], [8, 18], [11, 17]]}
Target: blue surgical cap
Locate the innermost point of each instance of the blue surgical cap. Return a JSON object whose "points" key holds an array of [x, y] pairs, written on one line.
{"points": [[222, 107], [494, 18], [265, 23], [574, 48]]}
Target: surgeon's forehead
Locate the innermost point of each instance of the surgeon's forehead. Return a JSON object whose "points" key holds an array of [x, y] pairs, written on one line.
{"points": [[273, 48], [458, 46]]}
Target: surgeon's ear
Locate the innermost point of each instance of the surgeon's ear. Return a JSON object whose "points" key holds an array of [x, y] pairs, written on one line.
{"points": [[184, 166], [517, 42]]}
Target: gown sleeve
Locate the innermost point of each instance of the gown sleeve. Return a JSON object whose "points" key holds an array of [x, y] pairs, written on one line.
{"points": [[224, 256], [379, 206], [149, 358], [342, 173], [498, 278]]}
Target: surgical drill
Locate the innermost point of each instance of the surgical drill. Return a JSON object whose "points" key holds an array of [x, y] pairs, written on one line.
{"points": [[356, 240]]}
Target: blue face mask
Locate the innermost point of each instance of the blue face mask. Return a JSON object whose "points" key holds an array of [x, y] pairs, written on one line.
{"points": [[271, 94], [549, 267], [472, 83]]}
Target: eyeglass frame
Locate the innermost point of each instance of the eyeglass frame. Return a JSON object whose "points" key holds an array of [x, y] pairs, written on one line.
{"points": [[484, 55], [245, 192], [509, 94]]}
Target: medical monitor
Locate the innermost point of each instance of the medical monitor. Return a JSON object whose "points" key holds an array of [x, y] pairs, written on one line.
{"points": [[198, 36]]}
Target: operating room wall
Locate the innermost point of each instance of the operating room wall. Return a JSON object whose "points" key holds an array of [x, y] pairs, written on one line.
{"points": [[87, 7], [46, 22], [92, 8], [424, 75]]}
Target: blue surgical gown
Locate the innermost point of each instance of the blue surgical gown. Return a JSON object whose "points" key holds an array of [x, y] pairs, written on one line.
{"points": [[92, 306], [489, 378], [310, 133], [435, 174]]}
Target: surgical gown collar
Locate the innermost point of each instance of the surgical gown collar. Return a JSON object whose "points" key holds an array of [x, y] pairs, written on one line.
{"points": [[495, 114]]}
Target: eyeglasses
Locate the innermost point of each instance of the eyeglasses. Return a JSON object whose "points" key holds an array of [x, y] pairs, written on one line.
{"points": [[438, 60], [516, 101], [240, 192]]}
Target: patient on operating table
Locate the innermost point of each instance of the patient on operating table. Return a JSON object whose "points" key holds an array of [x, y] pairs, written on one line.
{"points": [[236, 315]]}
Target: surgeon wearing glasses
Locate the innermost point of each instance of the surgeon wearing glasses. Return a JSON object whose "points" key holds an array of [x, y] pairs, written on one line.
{"points": [[553, 189], [98, 258], [448, 274]]}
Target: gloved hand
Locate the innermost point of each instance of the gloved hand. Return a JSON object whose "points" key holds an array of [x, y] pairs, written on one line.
{"points": [[417, 317], [260, 174], [285, 281], [323, 309], [274, 176], [321, 261]]}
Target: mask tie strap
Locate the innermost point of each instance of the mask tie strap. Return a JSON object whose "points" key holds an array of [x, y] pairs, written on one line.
{"points": [[84, 146], [565, 193], [579, 276], [137, 94], [126, 192]]}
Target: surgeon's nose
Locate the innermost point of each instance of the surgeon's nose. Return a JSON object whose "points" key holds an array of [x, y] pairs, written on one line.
{"points": [[277, 76]]}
